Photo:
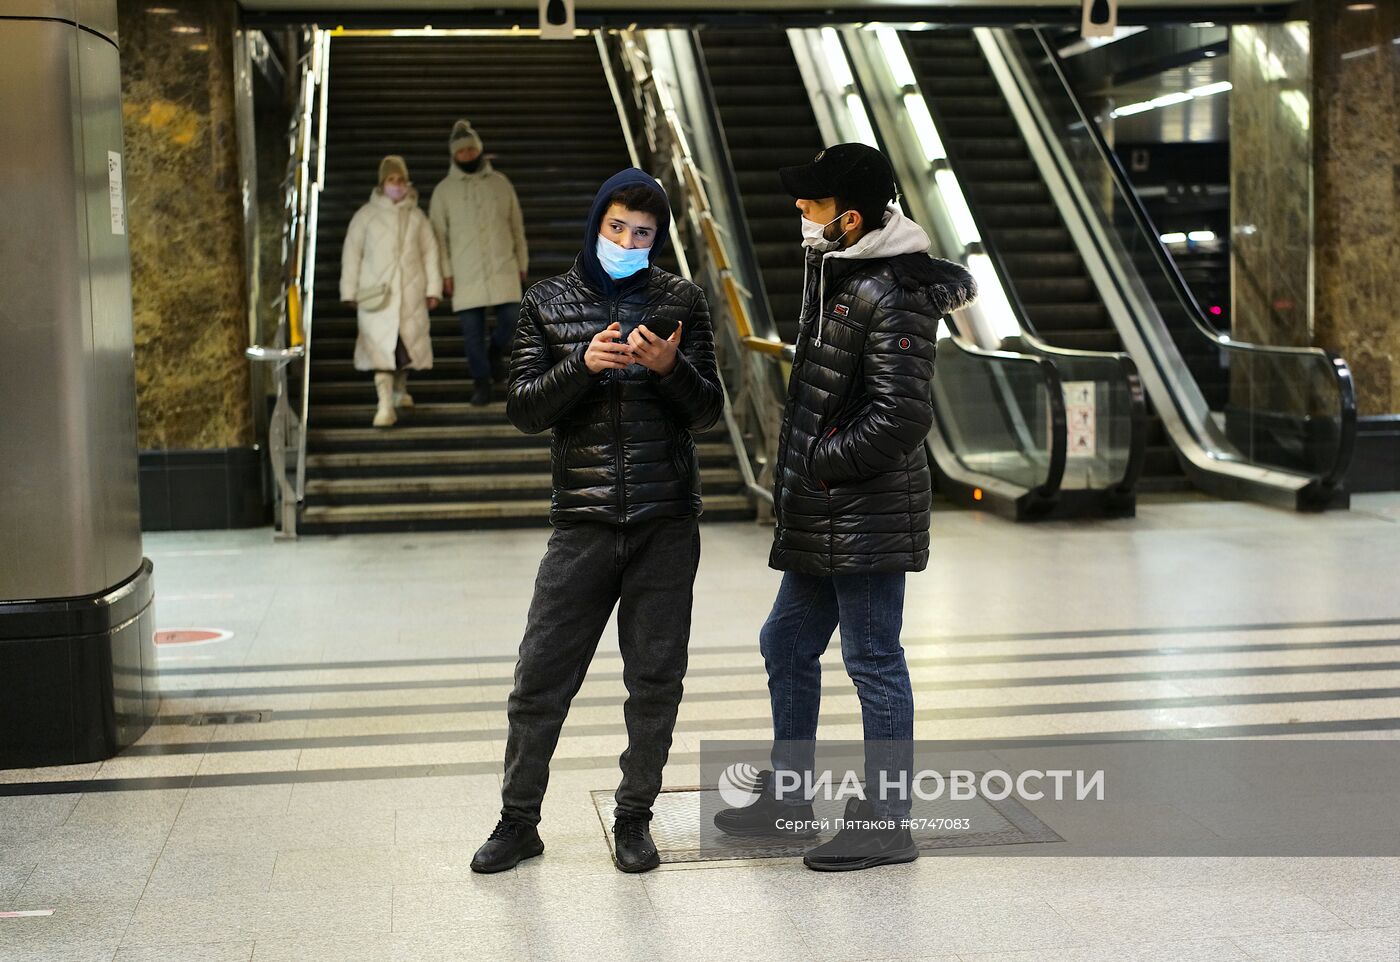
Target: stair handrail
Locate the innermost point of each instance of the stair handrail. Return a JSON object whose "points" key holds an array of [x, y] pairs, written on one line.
{"points": [[291, 347], [759, 396]]}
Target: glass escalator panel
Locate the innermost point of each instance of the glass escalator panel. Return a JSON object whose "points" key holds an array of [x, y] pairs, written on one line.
{"points": [[1281, 407]]}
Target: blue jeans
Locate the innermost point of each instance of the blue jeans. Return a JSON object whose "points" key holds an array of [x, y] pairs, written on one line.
{"points": [[474, 335], [869, 608]]}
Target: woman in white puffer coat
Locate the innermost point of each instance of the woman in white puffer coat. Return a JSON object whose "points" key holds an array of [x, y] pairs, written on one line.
{"points": [[391, 243]]}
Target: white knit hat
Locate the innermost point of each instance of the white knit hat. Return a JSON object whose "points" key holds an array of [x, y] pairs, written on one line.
{"points": [[463, 135], [393, 164]]}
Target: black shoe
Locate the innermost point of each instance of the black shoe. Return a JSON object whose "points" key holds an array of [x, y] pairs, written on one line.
{"points": [[633, 849], [482, 395], [766, 817], [857, 847], [510, 844]]}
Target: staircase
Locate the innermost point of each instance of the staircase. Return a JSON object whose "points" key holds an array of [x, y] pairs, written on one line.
{"points": [[546, 116], [1015, 212], [768, 123]]}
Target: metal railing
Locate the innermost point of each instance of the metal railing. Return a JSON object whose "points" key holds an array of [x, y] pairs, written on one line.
{"points": [[929, 169], [1000, 435], [290, 352], [753, 382], [1290, 437]]}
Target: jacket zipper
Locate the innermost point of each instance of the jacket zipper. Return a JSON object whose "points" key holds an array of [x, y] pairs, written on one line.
{"points": [[787, 408], [617, 432]]}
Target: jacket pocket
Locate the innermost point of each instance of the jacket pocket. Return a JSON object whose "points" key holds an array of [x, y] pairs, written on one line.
{"points": [[556, 462], [824, 432], [680, 460]]}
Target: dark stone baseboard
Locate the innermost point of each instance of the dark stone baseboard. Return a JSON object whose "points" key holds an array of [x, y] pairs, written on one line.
{"points": [[219, 488], [1375, 465]]}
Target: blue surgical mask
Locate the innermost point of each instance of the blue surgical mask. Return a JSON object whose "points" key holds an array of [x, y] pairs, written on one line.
{"points": [[620, 261]]}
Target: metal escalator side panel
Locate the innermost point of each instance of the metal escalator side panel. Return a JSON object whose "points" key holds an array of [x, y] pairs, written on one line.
{"points": [[1214, 462], [994, 408]]}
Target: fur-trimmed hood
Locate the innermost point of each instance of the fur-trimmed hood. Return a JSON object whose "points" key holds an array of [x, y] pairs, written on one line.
{"points": [[904, 244]]}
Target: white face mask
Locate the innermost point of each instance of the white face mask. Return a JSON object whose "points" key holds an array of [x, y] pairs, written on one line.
{"points": [[814, 235], [621, 261], [396, 191]]}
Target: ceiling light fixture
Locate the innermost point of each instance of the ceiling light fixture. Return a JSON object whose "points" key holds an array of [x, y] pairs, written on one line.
{"points": [[1168, 100]]}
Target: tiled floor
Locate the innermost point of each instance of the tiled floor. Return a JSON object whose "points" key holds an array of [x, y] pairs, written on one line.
{"points": [[341, 828]]}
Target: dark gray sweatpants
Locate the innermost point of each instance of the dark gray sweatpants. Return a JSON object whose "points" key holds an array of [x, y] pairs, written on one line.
{"points": [[587, 569]]}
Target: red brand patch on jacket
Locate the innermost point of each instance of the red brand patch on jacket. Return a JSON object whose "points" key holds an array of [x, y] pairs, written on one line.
{"points": [[904, 343], [841, 310]]}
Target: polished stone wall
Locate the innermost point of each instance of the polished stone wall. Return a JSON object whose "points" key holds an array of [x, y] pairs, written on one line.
{"points": [[1315, 188], [1356, 159], [189, 299], [1271, 200]]}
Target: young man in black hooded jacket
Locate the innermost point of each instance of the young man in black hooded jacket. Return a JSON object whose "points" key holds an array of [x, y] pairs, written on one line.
{"points": [[851, 495], [617, 358]]}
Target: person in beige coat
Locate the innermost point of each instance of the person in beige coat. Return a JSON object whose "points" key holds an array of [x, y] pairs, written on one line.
{"points": [[390, 244], [481, 235]]}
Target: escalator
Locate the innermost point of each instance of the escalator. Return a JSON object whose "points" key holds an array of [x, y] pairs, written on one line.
{"points": [[1001, 438], [1265, 422], [548, 118], [767, 122], [1020, 226]]}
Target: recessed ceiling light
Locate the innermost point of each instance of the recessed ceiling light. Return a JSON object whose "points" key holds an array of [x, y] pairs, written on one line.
{"points": [[1361, 6], [184, 29]]}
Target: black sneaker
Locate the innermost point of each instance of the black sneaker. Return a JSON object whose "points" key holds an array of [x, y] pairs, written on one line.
{"points": [[858, 847], [766, 817], [509, 844], [633, 849]]}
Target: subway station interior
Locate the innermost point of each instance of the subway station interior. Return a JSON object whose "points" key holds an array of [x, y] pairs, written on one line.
{"points": [[284, 627]]}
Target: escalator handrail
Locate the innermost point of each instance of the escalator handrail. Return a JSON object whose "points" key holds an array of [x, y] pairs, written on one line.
{"points": [[1127, 368], [1055, 397], [1341, 372], [1054, 393]]}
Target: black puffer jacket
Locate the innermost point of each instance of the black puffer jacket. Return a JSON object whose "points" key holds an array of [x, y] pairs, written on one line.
{"points": [[622, 450], [852, 490]]}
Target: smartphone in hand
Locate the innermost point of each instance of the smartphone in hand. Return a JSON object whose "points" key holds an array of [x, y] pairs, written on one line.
{"points": [[659, 327]]}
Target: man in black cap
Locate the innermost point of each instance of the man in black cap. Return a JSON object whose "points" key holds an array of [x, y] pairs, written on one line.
{"points": [[851, 495]]}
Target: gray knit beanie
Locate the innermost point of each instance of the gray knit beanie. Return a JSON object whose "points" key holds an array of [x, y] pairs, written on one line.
{"points": [[463, 135]]}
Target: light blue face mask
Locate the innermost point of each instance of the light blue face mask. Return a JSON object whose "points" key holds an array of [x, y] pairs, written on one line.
{"points": [[620, 261]]}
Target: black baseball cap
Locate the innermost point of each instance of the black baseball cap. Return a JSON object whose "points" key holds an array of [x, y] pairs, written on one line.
{"points": [[854, 172]]}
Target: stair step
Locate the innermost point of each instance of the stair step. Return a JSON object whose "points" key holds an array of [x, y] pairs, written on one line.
{"points": [[469, 459], [447, 412], [446, 432], [446, 515], [465, 485]]}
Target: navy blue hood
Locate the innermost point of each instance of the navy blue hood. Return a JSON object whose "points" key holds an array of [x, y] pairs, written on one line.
{"points": [[588, 262]]}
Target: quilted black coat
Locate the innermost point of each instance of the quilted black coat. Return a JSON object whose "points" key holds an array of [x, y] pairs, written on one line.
{"points": [[622, 450], [852, 490]]}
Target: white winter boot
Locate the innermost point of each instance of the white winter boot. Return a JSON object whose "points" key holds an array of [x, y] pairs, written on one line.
{"points": [[384, 387], [402, 399]]}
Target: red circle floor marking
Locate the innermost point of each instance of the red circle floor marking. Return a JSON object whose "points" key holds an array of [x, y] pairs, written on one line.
{"points": [[192, 636]]}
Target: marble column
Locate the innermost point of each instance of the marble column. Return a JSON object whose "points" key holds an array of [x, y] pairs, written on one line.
{"points": [[189, 297], [1271, 216], [1356, 158], [1315, 188]]}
